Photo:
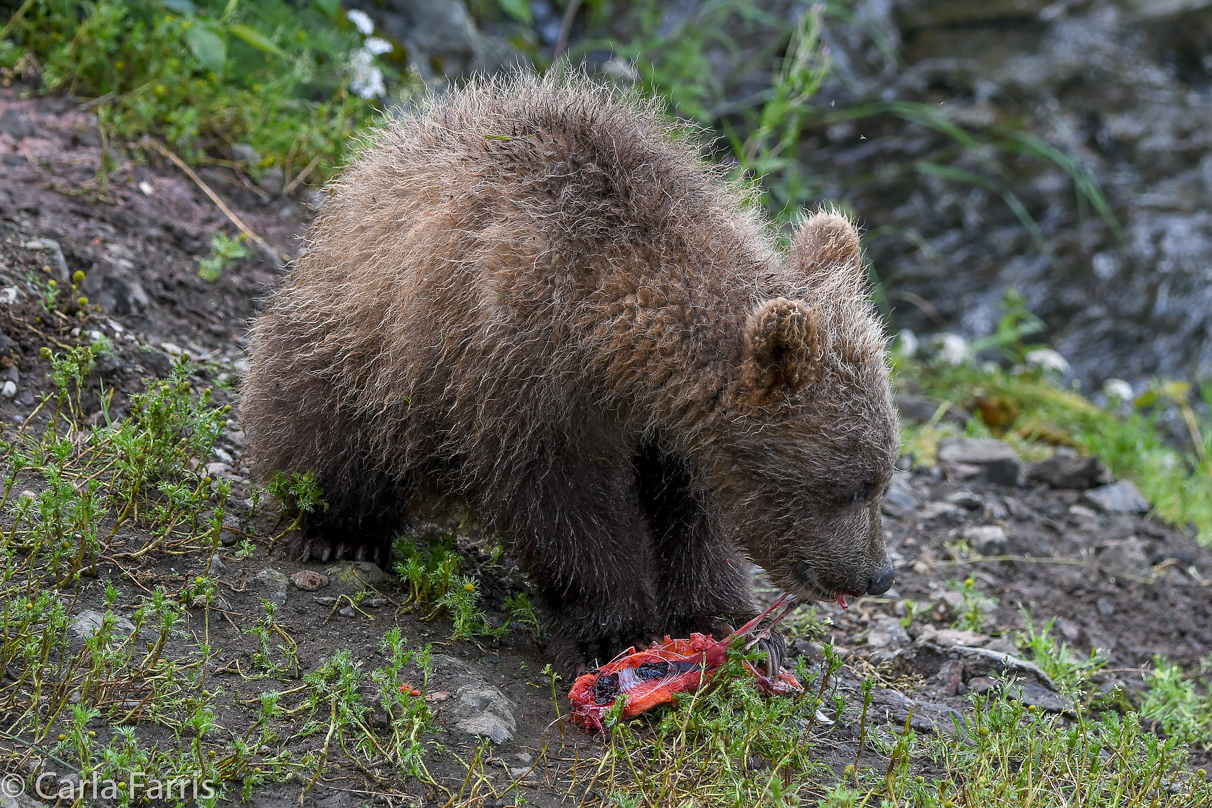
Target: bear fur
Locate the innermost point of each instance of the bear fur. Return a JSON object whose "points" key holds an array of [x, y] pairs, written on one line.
{"points": [[534, 295]]}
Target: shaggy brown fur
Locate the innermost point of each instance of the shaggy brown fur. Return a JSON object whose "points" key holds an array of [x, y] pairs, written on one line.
{"points": [[535, 296]]}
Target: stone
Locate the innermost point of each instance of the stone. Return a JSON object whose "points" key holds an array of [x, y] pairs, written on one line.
{"points": [[88, 622], [339, 799], [482, 709], [952, 637], [915, 409], [272, 585], [886, 632], [244, 153], [968, 500], [952, 676], [54, 257], [992, 460], [1069, 471], [272, 181], [215, 566], [940, 510], [354, 576], [1105, 608], [18, 124], [1127, 559], [9, 390], [309, 580], [1120, 497], [900, 499], [988, 540]]}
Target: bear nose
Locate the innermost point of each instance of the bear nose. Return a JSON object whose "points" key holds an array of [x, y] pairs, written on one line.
{"points": [[882, 581]]}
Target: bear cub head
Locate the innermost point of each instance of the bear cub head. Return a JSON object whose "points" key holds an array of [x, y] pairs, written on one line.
{"points": [[807, 441]]}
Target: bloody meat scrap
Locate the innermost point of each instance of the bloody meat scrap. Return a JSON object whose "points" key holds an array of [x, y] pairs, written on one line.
{"points": [[665, 669]]}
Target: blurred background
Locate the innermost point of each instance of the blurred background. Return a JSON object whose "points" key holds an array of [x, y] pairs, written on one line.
{"points": [[1032, 177]]}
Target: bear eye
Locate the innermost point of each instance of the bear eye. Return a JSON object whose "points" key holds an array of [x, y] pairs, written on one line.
{"points": [[861, 494]]}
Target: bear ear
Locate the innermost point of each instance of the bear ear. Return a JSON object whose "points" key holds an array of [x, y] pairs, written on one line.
{"points": [[782, 345], [824, 244]]}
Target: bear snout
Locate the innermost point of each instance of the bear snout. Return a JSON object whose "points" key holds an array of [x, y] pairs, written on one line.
{"points": [[881, 582]]}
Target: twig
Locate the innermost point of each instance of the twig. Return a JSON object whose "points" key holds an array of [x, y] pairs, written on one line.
{"points": [[566, 28], [16, 18], [214, 197], [302, 175]]}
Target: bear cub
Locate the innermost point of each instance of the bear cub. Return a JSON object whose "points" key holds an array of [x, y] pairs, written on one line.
{"points": [[535, 296]]}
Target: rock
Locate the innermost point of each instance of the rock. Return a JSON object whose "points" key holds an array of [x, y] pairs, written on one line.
{"points": [[273, 180], [272, 585], [933, 13], [215, 566], [1105, 608], [482, 709], [54, 257], [967, 500], [988, 540], [983, 458], [915, 409], [952, 637], [899, 499], [244, 153], [354, 576], [339, 799], [1120, 497], [440, 38], [1069, 471], [939, 510], [952, 676], [88, 622], [20, 800], [16, 123], [9, 390], [886, 632], [1127, 559], [309, 580]]}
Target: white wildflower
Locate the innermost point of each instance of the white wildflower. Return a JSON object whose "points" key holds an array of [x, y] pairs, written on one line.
{"points": [[361, 21], [377, 46], [1048, 360], [952, 349], [366, 80], [1118, 389], [908, 343]]}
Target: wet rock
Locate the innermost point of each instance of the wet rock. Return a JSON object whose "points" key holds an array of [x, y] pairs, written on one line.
{"points": [[886, 632], [88, 622], [1069, 471], [980, 458], [309, 580], [1120, 497], [271, 585], [900, 499], [1127, 559], [988, 540], [482, 709], [354, 576]]}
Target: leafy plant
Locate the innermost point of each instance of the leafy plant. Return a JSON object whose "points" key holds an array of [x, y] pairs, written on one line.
{"points": [[223, 252]]}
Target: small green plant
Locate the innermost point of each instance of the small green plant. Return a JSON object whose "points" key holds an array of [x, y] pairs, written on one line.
{"points": [[1070, 672], [1171, 700], [975, 607], [223, 252]]}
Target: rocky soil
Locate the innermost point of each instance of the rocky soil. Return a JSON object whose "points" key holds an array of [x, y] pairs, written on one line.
{"points": [[1061, 540]]}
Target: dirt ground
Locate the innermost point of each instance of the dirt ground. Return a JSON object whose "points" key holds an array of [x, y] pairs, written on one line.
{"points": [[1122, 582]]}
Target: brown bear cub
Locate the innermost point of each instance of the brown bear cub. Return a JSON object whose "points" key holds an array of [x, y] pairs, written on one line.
{"points": [[534, 295]]}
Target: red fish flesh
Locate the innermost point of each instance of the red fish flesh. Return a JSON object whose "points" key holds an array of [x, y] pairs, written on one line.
{"points": [[665, 669]]}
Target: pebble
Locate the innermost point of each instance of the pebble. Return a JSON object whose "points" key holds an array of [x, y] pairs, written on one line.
{"points": [[1069, 471], [354, 576], [309, 580], [9, 390], [988, 540], [886, 632], [483, 710], [215, 566], [272, 584], [87, 623], [1127, 558], [900, 499], [984, 458], [1120, 497]]}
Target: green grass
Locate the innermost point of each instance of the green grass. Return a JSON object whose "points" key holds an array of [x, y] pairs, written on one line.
{"points": [[207, 75]]}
